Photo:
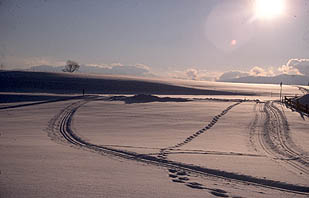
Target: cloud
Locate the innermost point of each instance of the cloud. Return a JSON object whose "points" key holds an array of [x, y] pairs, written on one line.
{"points": [[286, 69], [49, 64], [143, 66], [255, 71], [258, 71], [194, 74], [292, 67], [97, 65], [131, 70], [116, 64], [296, 66], [232, 74]]}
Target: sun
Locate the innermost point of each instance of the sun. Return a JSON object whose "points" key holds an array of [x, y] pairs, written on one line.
{"points": [[269, 9]]}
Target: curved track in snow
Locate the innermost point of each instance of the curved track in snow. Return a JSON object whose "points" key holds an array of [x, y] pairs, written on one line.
{"points": [[60, 128], [274, 138], [277, 133]]}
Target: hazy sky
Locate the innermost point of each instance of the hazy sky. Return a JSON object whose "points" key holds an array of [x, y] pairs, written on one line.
{"points": [[165, 35]]}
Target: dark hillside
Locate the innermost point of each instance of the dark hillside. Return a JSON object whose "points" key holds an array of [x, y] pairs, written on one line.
{"points": [[43, 82]]}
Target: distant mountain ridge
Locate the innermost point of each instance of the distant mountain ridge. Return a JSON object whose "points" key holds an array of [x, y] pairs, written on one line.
{"points": [[284, 78]]}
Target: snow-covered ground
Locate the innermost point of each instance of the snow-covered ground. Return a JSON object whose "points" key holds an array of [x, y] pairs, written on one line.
{"points": [[211, 146]]}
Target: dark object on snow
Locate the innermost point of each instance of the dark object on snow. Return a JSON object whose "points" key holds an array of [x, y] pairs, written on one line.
{"points": [[144, 98], [299, 104]]}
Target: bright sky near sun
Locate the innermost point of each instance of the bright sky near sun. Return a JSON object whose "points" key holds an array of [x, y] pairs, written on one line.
{"points": [[268, 9], [166, 35]]}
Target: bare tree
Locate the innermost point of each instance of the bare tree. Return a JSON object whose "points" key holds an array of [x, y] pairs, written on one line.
{"points": [[71, 66]]}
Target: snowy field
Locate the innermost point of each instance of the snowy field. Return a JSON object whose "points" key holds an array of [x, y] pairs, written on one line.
{"points": [[209, 146]]}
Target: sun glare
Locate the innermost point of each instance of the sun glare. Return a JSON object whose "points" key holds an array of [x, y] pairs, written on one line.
{"points": [[268, 9]]}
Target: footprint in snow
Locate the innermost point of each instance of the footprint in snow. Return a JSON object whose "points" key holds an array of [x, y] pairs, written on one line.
{"points": [[219, 190], [195, 185], [182, 173], [183, 178], [218, 194], [172, 176], [178, 181], [172, 170]]}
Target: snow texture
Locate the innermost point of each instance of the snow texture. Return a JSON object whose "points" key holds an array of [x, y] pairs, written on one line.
{"points": [[146, 145]]}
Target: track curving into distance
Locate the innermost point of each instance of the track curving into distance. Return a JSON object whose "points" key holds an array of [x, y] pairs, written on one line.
{"points": [[60, 128], [274, 137]]}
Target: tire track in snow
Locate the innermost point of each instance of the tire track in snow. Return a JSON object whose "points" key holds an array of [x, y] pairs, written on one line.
{"points": [[277, 132], [261, 119], [201, 152], [164, 152], [60, 128], [274, 138]]}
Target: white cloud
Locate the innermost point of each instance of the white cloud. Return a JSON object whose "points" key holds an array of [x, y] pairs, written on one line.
{"points": [[110, 66], [271, 71], [98, 65], [293, 66], [143, 66], [297, 66], [116, 64], [258, 71], [194, 74], [255, 71], [286, 69], [53, 65]]}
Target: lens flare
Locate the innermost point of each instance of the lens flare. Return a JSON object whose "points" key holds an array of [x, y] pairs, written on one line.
{"points": [[233, 42]]}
